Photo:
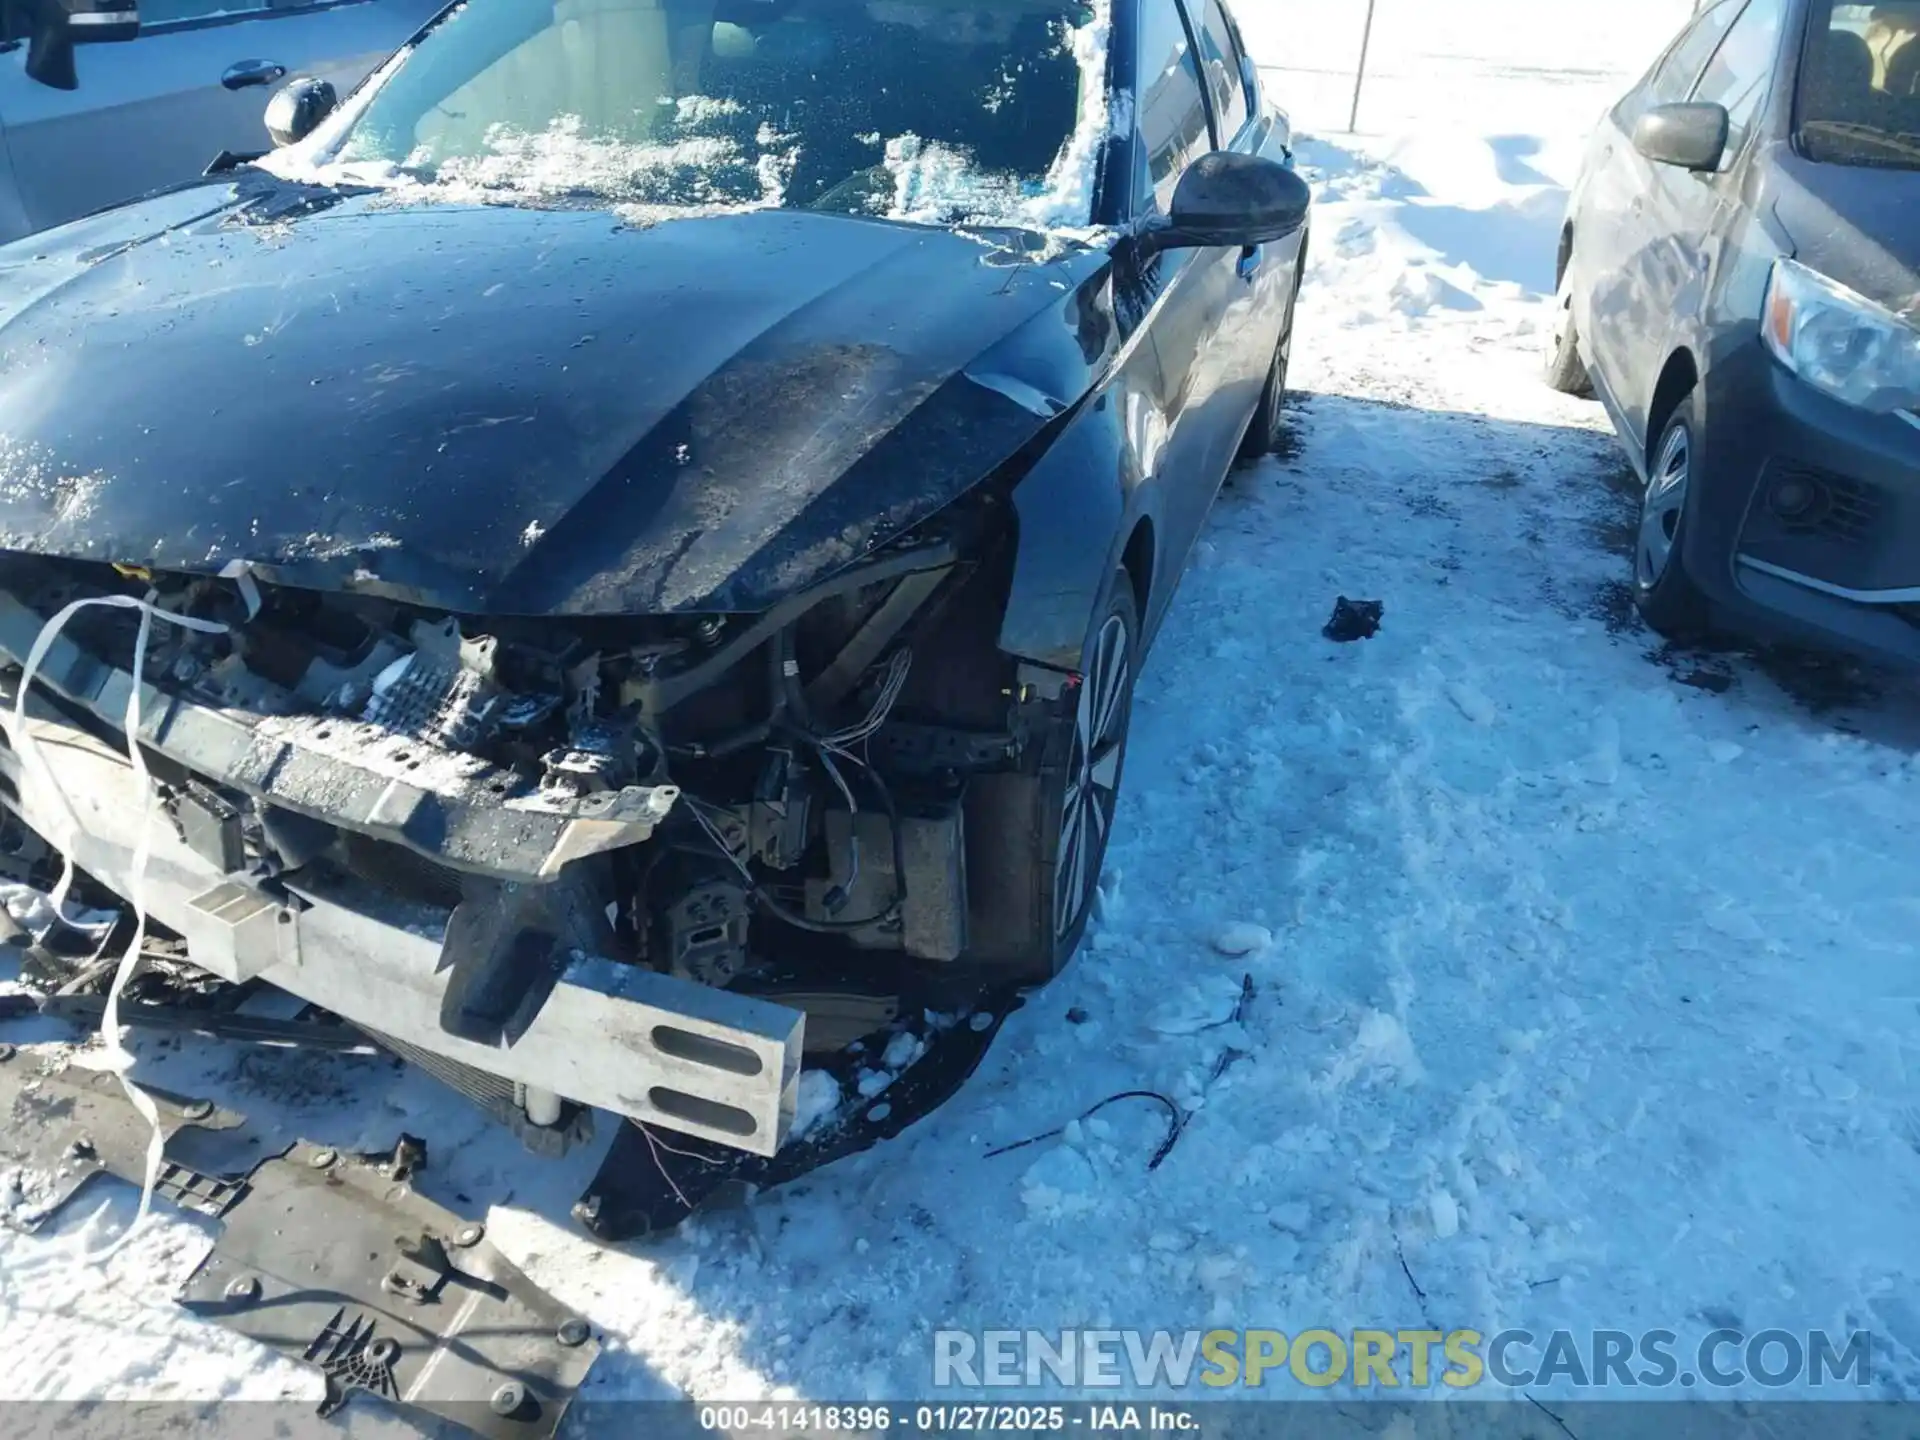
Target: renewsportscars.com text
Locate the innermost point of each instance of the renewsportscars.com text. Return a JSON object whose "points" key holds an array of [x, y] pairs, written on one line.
{"points": [[1373, 1359]]}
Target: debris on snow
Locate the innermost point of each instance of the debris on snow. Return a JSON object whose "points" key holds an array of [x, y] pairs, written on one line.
{"points": [[1354, 620], [1177, 1120]]}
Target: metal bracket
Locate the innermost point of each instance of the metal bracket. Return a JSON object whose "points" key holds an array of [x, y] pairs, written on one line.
{"points": [[335, 1263], [641, 1190], [326, 1258]]}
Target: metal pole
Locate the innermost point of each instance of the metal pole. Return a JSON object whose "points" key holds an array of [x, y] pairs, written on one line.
{"points": [[1360, 76]]}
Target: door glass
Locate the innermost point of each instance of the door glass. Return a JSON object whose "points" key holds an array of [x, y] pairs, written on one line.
{"points": [[1738, 75], [1674, 76], [1224, 78], [1173, 112]]}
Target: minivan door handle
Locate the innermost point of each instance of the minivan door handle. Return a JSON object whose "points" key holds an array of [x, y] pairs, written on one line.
{"points": [[252, 72]]}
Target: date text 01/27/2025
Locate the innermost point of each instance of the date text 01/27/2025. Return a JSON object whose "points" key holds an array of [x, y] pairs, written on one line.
{"points": [[801, 1419]]}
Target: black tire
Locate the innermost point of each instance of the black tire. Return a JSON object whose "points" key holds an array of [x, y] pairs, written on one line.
{"points": [[1268, 433], [1564, 371], [1030, 887], [1669, 600]]}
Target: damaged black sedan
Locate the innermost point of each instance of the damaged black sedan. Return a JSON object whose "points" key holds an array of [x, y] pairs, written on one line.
{"points": [[625, 546]]}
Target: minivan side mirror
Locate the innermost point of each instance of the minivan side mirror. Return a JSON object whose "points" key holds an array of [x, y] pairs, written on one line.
{"points": [[298, 107], [1230, 200], [1692, 135], [52, 28]]}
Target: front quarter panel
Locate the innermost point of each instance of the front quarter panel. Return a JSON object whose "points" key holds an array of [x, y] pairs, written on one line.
{"points": [[1078, 504]]}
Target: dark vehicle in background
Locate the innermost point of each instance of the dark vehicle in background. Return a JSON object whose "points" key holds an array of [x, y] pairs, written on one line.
{"points": [[647, 519], [85, 124], [1739, 288]]}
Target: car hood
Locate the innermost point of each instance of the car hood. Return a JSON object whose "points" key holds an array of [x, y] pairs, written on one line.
{"points": [[491, 409], [1855, 224]]}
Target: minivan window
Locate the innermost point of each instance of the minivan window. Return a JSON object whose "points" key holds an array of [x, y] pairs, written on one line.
{"points": [[1859, 97], [1673, 77], [1741, 69]]}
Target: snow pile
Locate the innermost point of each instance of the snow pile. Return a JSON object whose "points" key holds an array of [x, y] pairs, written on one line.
{"points": [[1066, 201]]}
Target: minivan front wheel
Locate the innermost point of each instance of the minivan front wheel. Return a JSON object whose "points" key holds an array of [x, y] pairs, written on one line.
{"points": [[1668, 599]]}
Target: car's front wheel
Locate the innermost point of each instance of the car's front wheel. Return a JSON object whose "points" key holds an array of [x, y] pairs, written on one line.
{"points": [[1037, 840], [1668, 599]]}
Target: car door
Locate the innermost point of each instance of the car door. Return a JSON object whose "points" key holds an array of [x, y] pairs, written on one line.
{"points": [[1189, 291], [1683, 222], [156, 110], [1241, 357], [1610, 311]]}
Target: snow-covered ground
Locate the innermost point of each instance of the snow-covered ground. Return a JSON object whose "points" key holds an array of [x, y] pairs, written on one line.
{"points": [[1590, 993]]}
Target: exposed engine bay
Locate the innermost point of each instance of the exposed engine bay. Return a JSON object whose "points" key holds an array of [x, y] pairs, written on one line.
{"points": [[642, 864]]}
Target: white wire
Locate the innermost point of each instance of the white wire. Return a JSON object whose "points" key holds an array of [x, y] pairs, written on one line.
{"points": [[719, 840], [890, 688], [853, 829], [119, 1059]]}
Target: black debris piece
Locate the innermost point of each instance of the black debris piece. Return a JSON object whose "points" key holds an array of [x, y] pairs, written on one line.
{"points": [[1176, 1122], [1354, 620]]}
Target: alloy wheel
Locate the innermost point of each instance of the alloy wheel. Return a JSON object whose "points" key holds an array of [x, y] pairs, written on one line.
{"points": [[1093, 773], [1662, 507]]}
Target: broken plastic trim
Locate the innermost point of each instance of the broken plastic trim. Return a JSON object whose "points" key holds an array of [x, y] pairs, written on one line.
{"points": [[348, 774], [359, 777], [325, 1257]]}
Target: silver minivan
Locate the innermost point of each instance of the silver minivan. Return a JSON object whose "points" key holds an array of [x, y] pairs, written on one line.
{"points": [[86, 125]]}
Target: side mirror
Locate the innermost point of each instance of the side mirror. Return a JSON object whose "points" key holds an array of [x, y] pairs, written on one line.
{"points": [[1230, 200], [297, 109], [1692, 136], [52, 28]]}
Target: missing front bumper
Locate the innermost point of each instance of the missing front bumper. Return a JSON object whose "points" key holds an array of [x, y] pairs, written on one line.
{"points": [[639, 1044], [459, 810]]}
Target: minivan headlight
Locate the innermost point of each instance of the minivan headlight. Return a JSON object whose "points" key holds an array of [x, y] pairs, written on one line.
{"points": [[1840, 342]]}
